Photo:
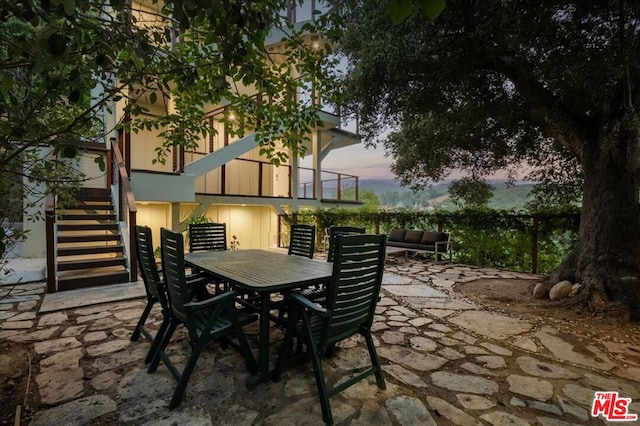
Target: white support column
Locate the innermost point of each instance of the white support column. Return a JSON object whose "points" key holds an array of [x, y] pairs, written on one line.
{"points": [[316, 143], [175, 217]]}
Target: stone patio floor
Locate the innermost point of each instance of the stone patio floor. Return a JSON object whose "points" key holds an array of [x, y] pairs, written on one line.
{"points": [[446, 361]]}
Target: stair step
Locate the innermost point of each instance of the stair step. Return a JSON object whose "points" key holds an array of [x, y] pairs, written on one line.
{"points": [[87, 238], [93, 194], [88, 227], [92, 280], [75, 251], [88, 206], [74, 265], [88, 216]]}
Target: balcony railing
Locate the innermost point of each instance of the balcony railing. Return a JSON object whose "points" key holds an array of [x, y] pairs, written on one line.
{"points": [[244, 177], [304, 12], [334, 186]]}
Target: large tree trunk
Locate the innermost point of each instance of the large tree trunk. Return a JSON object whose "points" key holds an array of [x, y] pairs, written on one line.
{"points": [[606, 260]]}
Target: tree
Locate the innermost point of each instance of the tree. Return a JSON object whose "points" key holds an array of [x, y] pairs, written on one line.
{"points": [[554, 85], [370, 199], [471, 192], [65, 63]]}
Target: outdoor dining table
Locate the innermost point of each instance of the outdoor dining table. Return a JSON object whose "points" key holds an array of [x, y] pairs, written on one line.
{"points": [[264, 272]]}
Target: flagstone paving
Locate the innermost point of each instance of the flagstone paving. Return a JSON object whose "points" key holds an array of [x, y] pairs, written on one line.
{"points": [[446, 360]]}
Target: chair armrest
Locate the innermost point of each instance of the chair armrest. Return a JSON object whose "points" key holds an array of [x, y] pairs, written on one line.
{"points": [[308, 304], [227, 296], [197, 276], [197, 279]]}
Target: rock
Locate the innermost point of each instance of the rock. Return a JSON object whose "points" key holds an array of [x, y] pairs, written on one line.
{"points": [[492, 325], [415, 360], [422, 344], [455, 415], [574, 290], [560, 290], [530, 386], [501, 418], [474, 402], [407, 410], [537, 368], [404, 375], [559, 344], [525, 343], [539, 291], [80, 411], [464, 383]]}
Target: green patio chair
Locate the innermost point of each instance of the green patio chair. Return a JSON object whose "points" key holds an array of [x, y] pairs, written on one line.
{"points": [[209, 237], [318, 293], [303, 240], [350, 307], [155, 290], [301, 243], [209, 320], [334, 231]]}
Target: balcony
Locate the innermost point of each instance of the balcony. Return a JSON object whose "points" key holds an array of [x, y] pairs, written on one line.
{"points": [[253, 178], [334, 186]]}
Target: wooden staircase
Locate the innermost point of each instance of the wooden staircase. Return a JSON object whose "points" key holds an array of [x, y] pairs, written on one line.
{"points": [[89, 248]]}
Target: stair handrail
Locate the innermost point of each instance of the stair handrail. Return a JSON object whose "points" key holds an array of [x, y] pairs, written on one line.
{"points": [[126, 205], [50, 218]]}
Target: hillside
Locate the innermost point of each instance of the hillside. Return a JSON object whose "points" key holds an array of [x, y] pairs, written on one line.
{"points": [[392, 195]]}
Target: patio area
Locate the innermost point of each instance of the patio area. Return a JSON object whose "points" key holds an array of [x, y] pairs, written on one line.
{"points": [[447, 360]]}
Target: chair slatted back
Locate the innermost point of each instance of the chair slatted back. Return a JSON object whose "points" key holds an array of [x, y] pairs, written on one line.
{"points": [[303, 240], [207, 237], [334, 231], [355, 285], [174, 274], [147, 262]]}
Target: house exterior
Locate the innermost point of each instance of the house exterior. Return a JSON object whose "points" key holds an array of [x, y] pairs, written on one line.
{"points": [[224, 178]]}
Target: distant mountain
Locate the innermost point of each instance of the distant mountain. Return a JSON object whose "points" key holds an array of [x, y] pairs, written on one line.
{"points": [[392, 195]]}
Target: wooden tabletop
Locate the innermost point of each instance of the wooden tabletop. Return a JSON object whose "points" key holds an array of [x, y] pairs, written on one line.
{"points": [[261, 270]]}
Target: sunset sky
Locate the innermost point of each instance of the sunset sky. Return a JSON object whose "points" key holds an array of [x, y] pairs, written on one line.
{"points": [[368, 163]]}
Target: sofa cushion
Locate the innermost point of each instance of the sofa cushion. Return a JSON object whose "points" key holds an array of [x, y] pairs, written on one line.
{"points": [[432, 237], [397, 235], [414, 237]]}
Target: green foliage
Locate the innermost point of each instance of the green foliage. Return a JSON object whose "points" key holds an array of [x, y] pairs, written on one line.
{"points": [[64, 65], [471, 192], [370, 200], [547, 91], [394, 196], [197, 215], [492, 85], [481, 236]]}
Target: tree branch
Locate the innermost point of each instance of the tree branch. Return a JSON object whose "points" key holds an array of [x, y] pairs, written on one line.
{"points": [[546, 109]]}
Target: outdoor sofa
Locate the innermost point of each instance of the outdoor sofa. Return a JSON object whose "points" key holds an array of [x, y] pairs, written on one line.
{"points": [[430, 242]]}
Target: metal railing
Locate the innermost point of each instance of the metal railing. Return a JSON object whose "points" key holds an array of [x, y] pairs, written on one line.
{"points": [[245, 177], [334, 186], [297, 13]]}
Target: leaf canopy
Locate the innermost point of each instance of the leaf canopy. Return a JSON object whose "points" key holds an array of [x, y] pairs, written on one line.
{"points": [[493, 85]]}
